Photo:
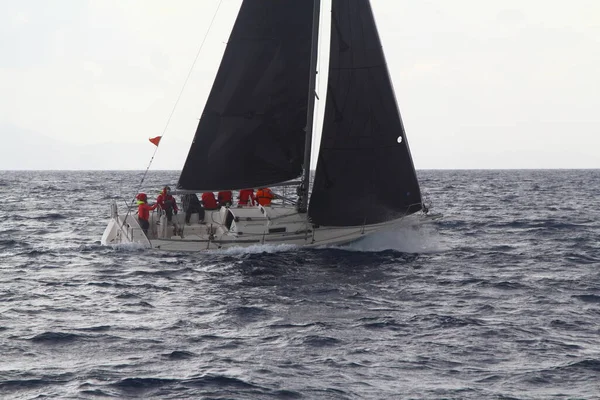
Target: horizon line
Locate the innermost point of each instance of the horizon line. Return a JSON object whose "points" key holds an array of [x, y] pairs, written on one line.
{"points": [[417, 169]]}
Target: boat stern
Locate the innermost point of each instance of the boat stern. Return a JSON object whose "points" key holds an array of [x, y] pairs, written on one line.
{"points": [[123, 229], [110, 233]]}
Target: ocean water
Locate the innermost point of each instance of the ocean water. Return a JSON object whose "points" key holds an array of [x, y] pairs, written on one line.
{"points": [[499, 299]]}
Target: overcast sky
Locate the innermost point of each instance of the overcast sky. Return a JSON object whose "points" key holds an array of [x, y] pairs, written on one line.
{"points": [[480, 84]]}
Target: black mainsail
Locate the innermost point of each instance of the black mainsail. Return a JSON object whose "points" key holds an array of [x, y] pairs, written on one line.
{"points": [[251, 132], [365, 173]]}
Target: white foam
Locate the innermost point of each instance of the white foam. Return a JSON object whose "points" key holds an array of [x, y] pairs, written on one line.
{"points": [[129, 246], [259, 248], [407, 239]]}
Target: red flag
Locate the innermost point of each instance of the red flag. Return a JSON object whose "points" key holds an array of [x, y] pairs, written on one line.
{"points": [[155, 140]]}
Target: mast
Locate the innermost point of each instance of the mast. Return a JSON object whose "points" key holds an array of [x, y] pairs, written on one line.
{"points": [[310, 114]]}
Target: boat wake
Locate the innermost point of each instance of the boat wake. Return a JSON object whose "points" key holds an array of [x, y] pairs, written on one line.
{"points": [[131, 246], [257, 249]]}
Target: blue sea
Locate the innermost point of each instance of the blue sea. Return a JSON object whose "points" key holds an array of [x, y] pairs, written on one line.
{"points": [[498, 299]]}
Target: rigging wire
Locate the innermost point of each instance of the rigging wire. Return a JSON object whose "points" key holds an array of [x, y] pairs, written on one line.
{"points": [[182, 89], [176, 102]]}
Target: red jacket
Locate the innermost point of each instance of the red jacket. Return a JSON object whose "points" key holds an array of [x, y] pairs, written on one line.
{"points": [[246, 197], [208, 200], [164, 200], [224, 197], [144, 210]]}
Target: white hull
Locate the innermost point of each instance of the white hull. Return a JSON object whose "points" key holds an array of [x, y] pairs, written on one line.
{"points": [[235, 227]]}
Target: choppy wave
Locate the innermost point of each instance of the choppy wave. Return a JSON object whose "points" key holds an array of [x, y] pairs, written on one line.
{"points": [[498, 299]]}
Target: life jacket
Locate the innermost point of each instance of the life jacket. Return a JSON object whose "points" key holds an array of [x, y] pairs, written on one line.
{"points": [[264, 196], [224, 197], [208, 199], [246, 197]]}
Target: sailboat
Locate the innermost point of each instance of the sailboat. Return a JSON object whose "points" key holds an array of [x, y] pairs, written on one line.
{"points": [[256, 131]]}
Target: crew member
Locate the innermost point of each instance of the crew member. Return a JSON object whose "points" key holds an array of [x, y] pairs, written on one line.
{"points": [[167, 203], [191, 204], [144, 211], [264, 196], [224, 198], [246, 198], [208, 201]]}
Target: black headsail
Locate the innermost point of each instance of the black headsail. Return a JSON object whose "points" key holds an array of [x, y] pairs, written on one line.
{"points": [[365, 173], [251, 132]]}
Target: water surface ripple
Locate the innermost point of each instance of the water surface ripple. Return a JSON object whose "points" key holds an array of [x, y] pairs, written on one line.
{"points": [[499, 299]]}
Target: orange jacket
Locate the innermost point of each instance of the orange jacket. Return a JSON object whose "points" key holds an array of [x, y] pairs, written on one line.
{"points": [[264, 196], [144, 210]]}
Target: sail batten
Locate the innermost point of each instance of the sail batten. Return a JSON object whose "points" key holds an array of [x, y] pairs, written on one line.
{"points": [[365, 174], [251, 132]]}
